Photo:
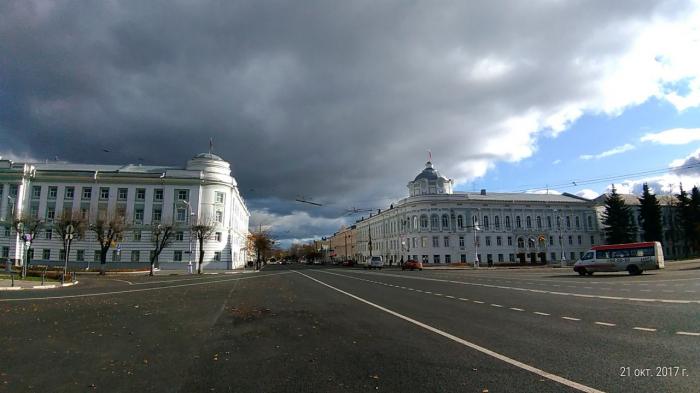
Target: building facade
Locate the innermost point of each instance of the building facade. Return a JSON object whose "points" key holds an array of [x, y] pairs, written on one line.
{"points": [[201, 191], [342, 244], [434, 224]]}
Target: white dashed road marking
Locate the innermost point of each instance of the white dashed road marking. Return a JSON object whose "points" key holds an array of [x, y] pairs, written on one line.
{"points": [[644, 329], [542, 313], [605, 323], [571, 318], [688, 333], [516, 309]]}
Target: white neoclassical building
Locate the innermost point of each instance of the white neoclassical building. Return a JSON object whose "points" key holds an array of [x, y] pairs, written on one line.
{"points": [[434, 224], [147, 195]]}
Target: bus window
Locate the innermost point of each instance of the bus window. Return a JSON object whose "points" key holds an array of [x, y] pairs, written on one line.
{"points": [[587, 256], [602, 254], [621, 253], [648, 251]]}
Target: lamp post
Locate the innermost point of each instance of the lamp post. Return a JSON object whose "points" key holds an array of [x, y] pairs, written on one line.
{"points": [[561, 238], [11, 201], [68, 239], [189, 209], [476, 243]]}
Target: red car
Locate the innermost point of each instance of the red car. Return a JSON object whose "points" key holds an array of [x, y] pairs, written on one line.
{"points": [[412, 265], [348, 263]]}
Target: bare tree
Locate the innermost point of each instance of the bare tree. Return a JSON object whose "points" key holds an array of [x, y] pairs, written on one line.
{"points": [[74, 218], [202, 229], [28, 226], [261, 243], [161, 237], [109, 229]]}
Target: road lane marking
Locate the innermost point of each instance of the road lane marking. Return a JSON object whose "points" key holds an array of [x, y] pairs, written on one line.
{"points": [[571, 318], [541, 313], [516, 309], [496, 355], [605, 323], [644, 329], [449, 296], [688, 333], [676, 301], [207, 282], [461, 298], [115, 279], [496, 305], [477, 302]]}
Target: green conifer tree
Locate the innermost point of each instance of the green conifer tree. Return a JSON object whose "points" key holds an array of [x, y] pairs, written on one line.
{"points": [[618, 220], [650, 211]]}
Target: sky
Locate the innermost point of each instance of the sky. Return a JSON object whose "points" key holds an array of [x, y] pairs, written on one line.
{"points": [[340, 102]]}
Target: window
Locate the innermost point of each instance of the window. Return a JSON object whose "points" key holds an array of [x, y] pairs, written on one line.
{"points": [[461, 241], [578, 223], [463, 258], [116, 257], [488, 240], [122, 193], [521, 242], [486, 222], [558, 222], [551, 240], [498, 241], [424, 241], [181, 215], [568, 221], [96, 256], [137, 236], [53, 192], [528, 222], [68, 193], [518, 223], [7, 231], [415, 222], [48, 234], [424, 222], [572, 256], [87, 192], [13, 190], [135, 256], [217, 256], [50, 214], [34, 211], [104, 193], [5, 252], [177, 256], [445, 221], [571, 240], [538, 220], [500, 257], [446, 241], [436, 259], [592, 240], [181, 195], [46, 254], [80, 255], [489, 258], [138, 215], [580, 241], [448, 258], [460, 222], [219, 197], [511, 257], [590, 222], [219, 216], [217, 236], [413, 242], [158, 194], [549, 222], [553, 256], [36, 192], [140, 194], [61, 255], [507, 222], [497, 222], [436, 241], [434, 221], [179, 236], [157, 213], [510, 240]]}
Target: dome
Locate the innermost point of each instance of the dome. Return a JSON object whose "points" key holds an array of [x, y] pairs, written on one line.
{"points": [[209, 156], [428, 173]]}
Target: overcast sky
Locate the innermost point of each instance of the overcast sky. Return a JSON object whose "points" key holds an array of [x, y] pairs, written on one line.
{"points": [[339, 101]]}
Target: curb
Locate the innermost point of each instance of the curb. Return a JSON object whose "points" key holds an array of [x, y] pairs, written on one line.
{"points": [[70, 284]]}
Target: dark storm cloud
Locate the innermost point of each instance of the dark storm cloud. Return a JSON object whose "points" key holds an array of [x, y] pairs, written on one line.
{"points": [[336, 101]]}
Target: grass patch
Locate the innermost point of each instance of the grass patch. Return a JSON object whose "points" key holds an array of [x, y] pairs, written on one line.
{"points": [[28, 278]]}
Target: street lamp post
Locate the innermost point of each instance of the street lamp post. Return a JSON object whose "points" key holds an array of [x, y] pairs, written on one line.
{"points": [[476, 243], [189, 214], [68, 238], [11, 201], [561, 238]]}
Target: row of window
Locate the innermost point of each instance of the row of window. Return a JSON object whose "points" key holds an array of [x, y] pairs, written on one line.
{"points": [[135, 256], [531, 242], [135, 235], [447, 258]]}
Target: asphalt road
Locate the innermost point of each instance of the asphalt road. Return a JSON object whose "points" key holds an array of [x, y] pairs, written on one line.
{"points": [[298, 328]]}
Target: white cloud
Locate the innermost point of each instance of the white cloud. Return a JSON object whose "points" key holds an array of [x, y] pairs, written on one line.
{"points": [[608, 153], [556, 162], [587, 193], [673, 136]]}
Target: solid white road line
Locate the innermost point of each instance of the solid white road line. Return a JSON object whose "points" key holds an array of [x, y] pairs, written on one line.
{"points": [[207, 282], [644, 329], [478, 302], [542, 313], [511, 361], [516, 309], [496, 305], [605, 323]]}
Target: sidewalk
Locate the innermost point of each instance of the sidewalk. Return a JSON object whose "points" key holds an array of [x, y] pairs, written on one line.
{"points": [[6, 285]]}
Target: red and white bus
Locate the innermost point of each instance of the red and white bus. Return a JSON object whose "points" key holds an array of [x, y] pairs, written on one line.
{"points": [[631, 257]]}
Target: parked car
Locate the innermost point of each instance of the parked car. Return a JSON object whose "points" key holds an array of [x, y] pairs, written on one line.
{"points": [[348, 263], [375, 263], [412, 264]]}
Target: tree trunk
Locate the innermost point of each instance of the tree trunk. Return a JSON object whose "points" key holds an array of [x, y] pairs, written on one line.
{"points": [[201, 256], [103, 261], [153, 261]]}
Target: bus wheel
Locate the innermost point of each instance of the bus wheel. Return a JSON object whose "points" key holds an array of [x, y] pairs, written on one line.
{"points": [[589, 273], [633, 270], [582, 272]]}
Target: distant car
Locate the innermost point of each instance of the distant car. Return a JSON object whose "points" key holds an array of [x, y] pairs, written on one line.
{"points": [[412, 264], [375, 263], [348, 263]]}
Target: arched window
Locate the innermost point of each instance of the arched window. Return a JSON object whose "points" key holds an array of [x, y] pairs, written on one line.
{"points": [[578, 223], [497, 222], [424, 221], [434, 221], [539, 222], [528, 222], [549, 222], [521, 242], [507, 222], [568, 221], [415, 222], [558, 222], [486, 222], [445, 221], [460, 222], [518, 223], [590, 222]]}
